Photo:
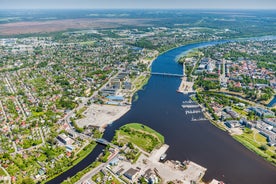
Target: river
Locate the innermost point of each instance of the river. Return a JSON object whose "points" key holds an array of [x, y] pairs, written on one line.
{"points": [[159, 107]]}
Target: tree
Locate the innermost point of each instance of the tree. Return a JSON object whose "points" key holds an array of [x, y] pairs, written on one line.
{"points": [[130, 145], [263, 147]]}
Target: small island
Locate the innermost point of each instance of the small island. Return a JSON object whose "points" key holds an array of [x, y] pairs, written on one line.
{"points": [[142, 136]]}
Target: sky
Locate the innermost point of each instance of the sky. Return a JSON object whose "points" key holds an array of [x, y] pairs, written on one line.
{"points": [[137, 4]]}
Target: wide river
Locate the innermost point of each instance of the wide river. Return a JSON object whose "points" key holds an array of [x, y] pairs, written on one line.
{"points": [[159, 107]]}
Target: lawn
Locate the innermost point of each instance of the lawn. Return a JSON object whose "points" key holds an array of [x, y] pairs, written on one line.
{"points": [[2, 173], [138, 126], [240, 111], [141, 81], [142, 136], [254, 141]]}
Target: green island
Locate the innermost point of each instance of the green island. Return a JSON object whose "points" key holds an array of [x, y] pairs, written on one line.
{"points": [[142, 136]]}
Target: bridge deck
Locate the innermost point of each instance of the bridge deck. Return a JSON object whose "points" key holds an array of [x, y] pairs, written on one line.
{"points": [[167, 74]]}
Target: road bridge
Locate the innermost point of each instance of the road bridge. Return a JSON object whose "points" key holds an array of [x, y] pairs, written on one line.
{"points": [[166, 74]]}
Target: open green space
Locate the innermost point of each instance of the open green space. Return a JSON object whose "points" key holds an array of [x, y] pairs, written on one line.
{"points": [[142, 136], [141, 81], [258, 144], [240, 111]]}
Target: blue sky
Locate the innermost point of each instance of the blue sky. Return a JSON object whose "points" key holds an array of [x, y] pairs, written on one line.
{"points": [[139, 4]]}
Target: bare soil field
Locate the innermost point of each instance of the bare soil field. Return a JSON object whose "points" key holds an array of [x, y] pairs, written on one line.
{"points": [[63, 25]]}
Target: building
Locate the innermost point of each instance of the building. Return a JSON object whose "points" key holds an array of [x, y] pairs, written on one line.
{"points": [[233, 114], [270, 121], [210, 67], [114, 161], [151, 177], [65, 139], [115, 98], [232, 124], [246, 123], [109, 91], [131, 174], [127, 85], [115, 84], [261, 112], [271, 136], [69, 148]]}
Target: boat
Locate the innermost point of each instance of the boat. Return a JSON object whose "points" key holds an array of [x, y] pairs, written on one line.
{"points": [[163, 157]]}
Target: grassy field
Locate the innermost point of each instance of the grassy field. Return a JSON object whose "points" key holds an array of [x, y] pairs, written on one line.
{"points": [[254, 141], [2, 173], [240, 111], [142, 136], [141, 81]]}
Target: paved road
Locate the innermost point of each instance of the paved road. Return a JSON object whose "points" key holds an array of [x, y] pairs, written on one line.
{"points": [[88, 176]]}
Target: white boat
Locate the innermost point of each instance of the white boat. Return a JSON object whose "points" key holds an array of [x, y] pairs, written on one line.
{"points": [[163, 157]]}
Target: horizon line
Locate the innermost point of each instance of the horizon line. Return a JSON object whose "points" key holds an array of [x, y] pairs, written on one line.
{"points": [[137, 8]]}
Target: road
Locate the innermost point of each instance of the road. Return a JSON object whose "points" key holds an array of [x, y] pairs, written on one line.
{"points": [[88, 176], [4, 112], [16, 98]]}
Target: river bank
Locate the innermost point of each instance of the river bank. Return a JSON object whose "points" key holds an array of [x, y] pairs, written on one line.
{"points": [[159, 107]]}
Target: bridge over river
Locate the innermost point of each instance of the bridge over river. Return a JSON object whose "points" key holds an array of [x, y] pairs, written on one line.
{"points": [[167, 74], [170, 74]]}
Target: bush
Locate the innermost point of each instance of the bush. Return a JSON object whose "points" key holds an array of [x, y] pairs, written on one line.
{"points": [[263, 147]]}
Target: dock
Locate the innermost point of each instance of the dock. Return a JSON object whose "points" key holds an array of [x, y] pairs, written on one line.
{"points": [[193, 111], [188, 102], [185, 86], [190, 106], [199, 119], [157, 153]]}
